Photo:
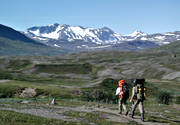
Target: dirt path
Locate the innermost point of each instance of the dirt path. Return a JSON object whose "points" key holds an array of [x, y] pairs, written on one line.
{"points": [[57, 112], [4, 80], [136, 118]]}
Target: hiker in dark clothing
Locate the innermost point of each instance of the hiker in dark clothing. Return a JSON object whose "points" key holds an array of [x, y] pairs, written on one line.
{"points": [[138, 93]]}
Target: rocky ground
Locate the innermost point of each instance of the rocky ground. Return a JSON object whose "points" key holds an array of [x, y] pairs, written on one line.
{"points": [[59, 112]]}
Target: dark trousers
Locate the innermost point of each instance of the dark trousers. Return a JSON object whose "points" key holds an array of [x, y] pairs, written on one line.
{"points": [[141, 108]]}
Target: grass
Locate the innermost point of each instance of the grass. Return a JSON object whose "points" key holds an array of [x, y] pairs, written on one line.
{"points": [[18, 64], [58, 80], [64, 68], [69, 71], [11, 87], [97, 118], [92, 118], [14, 118], [12, 47], [166, 85], [8, 91]]}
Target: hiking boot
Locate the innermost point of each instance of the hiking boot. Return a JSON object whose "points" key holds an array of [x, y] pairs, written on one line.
{"points": [[126, 113], [131, 115], [119, 112], [142, 117]]}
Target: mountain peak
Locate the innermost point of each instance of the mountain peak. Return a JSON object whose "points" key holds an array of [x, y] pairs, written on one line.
{"points": [[54, 24], [137, 33], [106, 29]]}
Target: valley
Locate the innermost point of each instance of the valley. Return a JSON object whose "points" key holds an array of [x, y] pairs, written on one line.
{"points": [[75, 80]]}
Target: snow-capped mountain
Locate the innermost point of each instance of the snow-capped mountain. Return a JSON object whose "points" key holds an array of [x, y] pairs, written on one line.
{"points": [[70, 33], [158, 38], [79, 37]]}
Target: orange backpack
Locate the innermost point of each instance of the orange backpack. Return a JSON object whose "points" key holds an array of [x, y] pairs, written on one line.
{"points": [[124, 89]]}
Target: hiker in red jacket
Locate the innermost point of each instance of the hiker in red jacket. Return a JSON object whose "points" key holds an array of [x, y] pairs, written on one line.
{"points": [[123, 93]]}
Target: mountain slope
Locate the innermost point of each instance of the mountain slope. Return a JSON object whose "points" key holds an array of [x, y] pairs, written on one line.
{"points": [[171, 48], [13, 42], [13, 48], [9, 33]]}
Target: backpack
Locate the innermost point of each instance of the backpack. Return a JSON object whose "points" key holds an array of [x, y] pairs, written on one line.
{"points": [[140, 89], [124, 90]]}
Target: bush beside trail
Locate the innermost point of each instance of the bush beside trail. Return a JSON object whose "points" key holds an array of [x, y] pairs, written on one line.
{"points": [[105, 92], [164, 97], [178, 100]]}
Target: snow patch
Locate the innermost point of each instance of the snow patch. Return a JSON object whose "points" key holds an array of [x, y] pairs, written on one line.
{"points": [[53, 35], [169, 34], [40, 38], [137, 33], [36, 32], [160, 37], [56, 45], [100, 47], [144, 38], [166, 42], [80, 32]]}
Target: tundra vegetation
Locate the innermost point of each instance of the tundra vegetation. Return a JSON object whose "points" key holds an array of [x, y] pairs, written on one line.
{"points": [[84, 85]]}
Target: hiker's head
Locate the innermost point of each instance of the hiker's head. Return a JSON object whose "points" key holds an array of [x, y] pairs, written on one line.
{"points": [[121, 82]]}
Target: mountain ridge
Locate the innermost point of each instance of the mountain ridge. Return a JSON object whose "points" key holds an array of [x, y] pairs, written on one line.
{"points": [[97, 35], [84, 38]]}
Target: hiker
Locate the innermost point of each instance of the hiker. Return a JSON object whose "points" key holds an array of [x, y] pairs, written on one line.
{"points": [[138, 96], [123, 93]]}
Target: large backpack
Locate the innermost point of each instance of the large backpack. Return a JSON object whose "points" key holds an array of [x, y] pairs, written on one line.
{"points": [[140, 89], [124, 90]]}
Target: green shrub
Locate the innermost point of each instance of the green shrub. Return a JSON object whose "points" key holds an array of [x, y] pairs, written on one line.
{"points": [[55, 93], [64, 68], [99, 95], [178, 100], [18, 64], [42, 92], [164, 97], [104, 93], [5, 75], [110, 84], [8, 91]]}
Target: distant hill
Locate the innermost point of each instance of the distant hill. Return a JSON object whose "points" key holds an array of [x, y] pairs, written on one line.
{"points": [[13, 42], [173, 47], [13, 48], [9, 33]]}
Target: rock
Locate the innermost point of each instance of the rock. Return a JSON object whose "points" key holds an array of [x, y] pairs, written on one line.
{"points": [[27, 92]]}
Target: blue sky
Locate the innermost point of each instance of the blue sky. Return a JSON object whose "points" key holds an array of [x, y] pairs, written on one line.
{"points": [[122, 16]]}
